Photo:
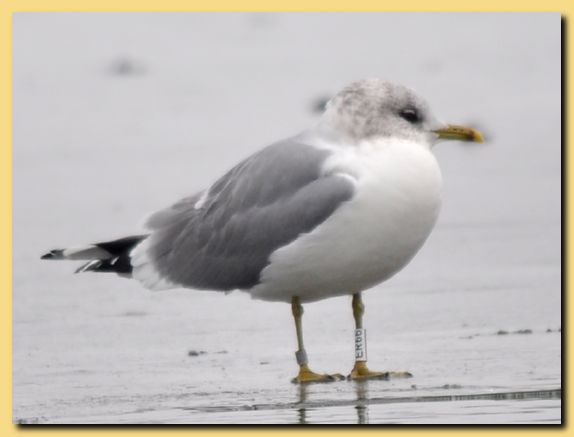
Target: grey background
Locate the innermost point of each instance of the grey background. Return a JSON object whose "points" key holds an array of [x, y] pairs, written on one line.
{"points": [[117, 115]]}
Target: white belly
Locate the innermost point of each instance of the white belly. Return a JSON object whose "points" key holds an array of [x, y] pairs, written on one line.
{"points": [[368, 238]]}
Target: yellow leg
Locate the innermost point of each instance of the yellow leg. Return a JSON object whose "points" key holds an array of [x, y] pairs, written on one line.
{"points": [[360, 370], [306, 375]]}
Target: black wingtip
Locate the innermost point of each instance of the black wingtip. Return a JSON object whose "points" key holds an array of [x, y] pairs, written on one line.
{"points": [[53, 254]]}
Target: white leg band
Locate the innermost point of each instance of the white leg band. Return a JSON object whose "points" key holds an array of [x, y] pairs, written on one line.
{"points": [[360, 344]]}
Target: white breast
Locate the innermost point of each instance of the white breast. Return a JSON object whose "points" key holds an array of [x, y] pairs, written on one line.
{"points": [[368, 238]]}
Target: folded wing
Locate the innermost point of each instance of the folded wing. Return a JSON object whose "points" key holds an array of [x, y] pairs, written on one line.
{"points": [[222, 239]]}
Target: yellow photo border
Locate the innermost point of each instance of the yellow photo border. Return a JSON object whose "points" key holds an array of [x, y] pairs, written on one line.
{"points": [[7, 7]]}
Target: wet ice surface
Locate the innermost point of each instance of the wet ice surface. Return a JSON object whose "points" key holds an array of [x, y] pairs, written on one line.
{"points": [[107, 130]]}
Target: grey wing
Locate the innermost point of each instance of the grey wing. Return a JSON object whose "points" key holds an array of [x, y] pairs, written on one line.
{"points": [[222, 239]]}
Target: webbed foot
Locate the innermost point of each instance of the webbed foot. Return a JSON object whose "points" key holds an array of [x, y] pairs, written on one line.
{"points": [[306, 376], [361, 372]]}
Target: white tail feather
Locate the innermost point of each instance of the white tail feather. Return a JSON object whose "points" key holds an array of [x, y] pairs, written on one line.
{"points": [[85, 253]]}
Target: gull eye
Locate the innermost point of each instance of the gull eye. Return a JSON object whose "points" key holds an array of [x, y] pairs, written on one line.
{"points": [[410, 114]]}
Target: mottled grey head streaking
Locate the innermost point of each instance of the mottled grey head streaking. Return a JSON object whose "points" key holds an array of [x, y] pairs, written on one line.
{"points": [[375, 108]]}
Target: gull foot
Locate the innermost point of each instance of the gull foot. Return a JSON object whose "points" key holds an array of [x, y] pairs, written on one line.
{"points": [[307, 376], [360, 372]]}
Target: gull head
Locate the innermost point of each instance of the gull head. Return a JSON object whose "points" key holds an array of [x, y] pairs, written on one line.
{"points": [[376, 109]]}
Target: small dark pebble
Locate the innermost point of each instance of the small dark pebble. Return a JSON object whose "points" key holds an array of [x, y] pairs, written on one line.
{"points": [[413, 386], [193, 353], [30, 421], [519, 331], [523, 331], [448, 386], [263, 363]]}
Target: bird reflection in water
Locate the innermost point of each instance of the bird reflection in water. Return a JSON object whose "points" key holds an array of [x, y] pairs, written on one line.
{"points": [[361, 404]]}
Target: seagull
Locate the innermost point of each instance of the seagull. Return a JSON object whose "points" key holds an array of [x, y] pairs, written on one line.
{"points": [[332, 211]]}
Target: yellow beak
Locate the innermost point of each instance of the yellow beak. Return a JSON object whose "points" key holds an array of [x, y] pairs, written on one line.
{"points": [[462, 133]]}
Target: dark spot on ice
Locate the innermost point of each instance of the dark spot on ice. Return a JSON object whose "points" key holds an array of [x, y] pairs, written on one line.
{"points": [[194, 353], [518, 331], [221, 352], [29, 421], [125, 66], [449, 386], [319, 104], [263, 363]]}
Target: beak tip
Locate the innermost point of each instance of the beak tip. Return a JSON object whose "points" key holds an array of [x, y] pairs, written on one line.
{"points": [[477, 137]]}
